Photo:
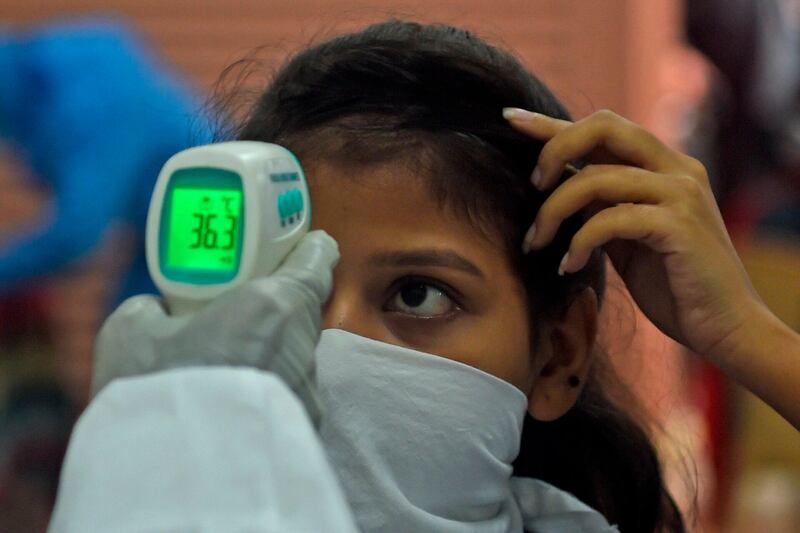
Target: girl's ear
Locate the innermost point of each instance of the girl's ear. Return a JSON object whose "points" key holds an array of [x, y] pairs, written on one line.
{"points": [[567, 352]]}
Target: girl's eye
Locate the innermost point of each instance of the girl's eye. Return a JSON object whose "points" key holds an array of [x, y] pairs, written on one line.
{"points": [[418, 298]]}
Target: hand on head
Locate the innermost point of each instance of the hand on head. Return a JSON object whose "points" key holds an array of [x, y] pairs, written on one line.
{"points": [[654, 214]]}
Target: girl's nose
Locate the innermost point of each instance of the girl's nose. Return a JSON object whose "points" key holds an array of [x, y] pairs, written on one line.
{"points": [[350, 311], [339, 311]]}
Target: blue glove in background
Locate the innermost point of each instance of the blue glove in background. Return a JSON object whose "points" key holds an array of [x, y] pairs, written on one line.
{"points": [[92, 112]]}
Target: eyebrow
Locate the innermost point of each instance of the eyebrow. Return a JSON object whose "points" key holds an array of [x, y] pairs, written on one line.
{"points": [[426, 257]]}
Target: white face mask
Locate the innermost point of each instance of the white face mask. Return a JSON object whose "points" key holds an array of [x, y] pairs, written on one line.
{"points": [[423, 443]]}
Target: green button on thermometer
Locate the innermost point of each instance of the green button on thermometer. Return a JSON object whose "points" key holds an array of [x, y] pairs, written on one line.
{"points": [[222, 214]]}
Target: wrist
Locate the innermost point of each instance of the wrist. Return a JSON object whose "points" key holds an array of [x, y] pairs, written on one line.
{"points": [[758, 352], [757, 327]]}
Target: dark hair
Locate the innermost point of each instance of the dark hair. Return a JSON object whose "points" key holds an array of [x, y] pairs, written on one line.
{"points": [[431, 96]]}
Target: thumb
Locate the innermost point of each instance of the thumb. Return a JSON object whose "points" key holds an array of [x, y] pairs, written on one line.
{"points": [[311, 263], [119, 346]]}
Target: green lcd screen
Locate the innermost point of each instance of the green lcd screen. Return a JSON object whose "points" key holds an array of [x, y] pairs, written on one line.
{"points": [[204, 228]]}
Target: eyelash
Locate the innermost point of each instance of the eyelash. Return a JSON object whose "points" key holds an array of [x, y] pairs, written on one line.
{"points": [[448, 291]]}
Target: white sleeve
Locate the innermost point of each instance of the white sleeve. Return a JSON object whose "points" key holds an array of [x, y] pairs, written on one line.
{"points": [[198, 449]]}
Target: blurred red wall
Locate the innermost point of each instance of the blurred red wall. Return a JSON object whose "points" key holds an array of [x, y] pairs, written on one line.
{"points": [[595, 54]]}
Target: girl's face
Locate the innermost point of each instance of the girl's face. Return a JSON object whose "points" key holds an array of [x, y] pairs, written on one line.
{"points": [[416, 275]]}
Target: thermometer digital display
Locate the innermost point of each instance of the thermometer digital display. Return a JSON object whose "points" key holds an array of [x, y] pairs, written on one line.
{"points": [[204, 229]]}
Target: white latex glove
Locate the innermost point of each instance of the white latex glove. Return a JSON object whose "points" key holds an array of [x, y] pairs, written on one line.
{"points": [[271, 323]]}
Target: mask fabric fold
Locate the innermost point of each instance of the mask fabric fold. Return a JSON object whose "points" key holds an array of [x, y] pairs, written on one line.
{"points": [[423, 443]]}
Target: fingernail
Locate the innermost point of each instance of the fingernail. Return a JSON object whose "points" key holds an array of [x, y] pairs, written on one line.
{"points": [[515, 113], [563, 262], [526, 242], [536, 177]]}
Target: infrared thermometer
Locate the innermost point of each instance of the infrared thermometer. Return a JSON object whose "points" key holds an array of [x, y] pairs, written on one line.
{"points": [[222, 214]]}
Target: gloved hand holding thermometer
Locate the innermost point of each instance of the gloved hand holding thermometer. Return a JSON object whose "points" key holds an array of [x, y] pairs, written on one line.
{"points": [[244, 283]]}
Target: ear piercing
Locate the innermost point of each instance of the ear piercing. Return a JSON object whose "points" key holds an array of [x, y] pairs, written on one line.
{"points": [[574, 381]]}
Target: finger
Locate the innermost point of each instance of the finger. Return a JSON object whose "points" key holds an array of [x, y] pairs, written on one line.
{"points": [[604, 130], [540, 127], [140, 309], [609, 184], [120, 335], [312, 262], [142, 303], [648, 224]]}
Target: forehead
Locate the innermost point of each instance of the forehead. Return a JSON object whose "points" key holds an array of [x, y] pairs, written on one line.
{"points": [[388, 207]]}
